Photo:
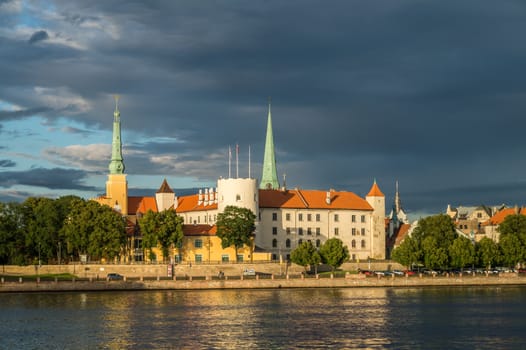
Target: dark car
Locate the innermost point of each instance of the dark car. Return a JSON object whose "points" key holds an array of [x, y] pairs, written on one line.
{"points": [[114, 277]]}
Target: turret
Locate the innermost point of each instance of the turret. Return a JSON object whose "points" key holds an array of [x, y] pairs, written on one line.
{"points": [[376, 200], [269, 177]]}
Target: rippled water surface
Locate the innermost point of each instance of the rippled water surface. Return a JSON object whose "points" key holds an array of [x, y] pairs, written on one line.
{"points": [[376, 318]]}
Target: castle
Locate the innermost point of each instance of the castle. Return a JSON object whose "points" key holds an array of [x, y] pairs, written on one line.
{"points": [[285, 217]]}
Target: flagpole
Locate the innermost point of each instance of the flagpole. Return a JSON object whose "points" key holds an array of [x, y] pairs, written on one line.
{"points": [[229, 162], [237, 161]]}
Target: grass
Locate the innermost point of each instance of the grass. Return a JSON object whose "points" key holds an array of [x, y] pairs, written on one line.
{"points": [[43, 277]]}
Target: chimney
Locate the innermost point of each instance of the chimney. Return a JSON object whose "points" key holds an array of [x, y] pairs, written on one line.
{"points": [[328, 198], [200, 197]]}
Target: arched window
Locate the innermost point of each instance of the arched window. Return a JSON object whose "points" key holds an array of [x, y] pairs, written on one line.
{"points": [[274, 243], [287, 243], [318, 242], [353, 244], [363, 243]]}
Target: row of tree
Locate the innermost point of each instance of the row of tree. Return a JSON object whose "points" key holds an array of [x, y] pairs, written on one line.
{"points": [[332, 253], [436, 244], [43, 230]]}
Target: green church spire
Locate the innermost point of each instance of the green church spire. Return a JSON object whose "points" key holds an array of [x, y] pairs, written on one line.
{"points": [[269, 178], [116, 165]]}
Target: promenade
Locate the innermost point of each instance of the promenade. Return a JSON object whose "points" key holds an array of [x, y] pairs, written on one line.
{"points": [[256, 282]]}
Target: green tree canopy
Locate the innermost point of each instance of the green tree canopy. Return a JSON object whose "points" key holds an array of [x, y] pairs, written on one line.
{"points": [[334, 253], [487, 251], [164, 229], [235, 227], [512, 250], [441, 227], [461, 252], [407, 253], [305, 255]]}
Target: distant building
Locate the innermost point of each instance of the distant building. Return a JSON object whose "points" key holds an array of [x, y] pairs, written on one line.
{"points": [[472, 220], [285, 217]]}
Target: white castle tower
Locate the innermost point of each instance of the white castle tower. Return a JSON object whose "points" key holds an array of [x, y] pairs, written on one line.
{"points": [[376, 199], [238, 192]]}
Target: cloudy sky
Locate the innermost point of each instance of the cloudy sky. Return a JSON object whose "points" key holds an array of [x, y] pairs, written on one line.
{"points": [[430, 94]]}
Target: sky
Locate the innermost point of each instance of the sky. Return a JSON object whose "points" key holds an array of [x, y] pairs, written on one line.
{"points": [[429, 94]]}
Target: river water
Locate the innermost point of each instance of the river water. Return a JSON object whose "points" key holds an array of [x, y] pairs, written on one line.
{"points": [[367, 318]]}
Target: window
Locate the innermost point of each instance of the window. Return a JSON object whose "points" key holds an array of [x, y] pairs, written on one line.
{"points": [[198, 219], [274, 230], [274, 243], [240, 258], [353, 218], [198, 258], [363, 231], [287, 243], [479, 215], [300, 231], [309, 231], [336, 218], [300, 217], [225, 258], [287, 216], [353, 244], [318, 242], [318, 217], [353, 231], [300, 241], [362, 218], [336, 231], [274, 257], [274, 216], [198, 243], [363, 243], [238, 197], [309, 217], [354, 257], [318, 231], [288, 230]]}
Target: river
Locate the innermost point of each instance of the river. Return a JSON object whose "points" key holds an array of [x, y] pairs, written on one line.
{"points": [[350, 318]]}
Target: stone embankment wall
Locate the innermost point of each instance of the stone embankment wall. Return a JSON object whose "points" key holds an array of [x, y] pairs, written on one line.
{"points": [[154, 270], [266, 282]]}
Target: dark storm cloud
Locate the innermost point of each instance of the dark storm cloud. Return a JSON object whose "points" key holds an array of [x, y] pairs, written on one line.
{"points": [[38, 36], [430, 94], [11, 115], [54, 179], [6, 163]]}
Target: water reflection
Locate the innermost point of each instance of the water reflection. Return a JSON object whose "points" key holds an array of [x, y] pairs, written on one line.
{"points": [[374, 318]]}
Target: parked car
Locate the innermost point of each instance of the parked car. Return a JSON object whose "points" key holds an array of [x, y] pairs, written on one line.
{"points": [[366, 272], [249, 272], [114, 277], [521, 270], [398, 272]]}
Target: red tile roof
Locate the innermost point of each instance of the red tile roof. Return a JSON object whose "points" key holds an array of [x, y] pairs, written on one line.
{"points": [[199, 230], [311, 199], [499, 217], [375, 191], [141, 205], [189, 203]]}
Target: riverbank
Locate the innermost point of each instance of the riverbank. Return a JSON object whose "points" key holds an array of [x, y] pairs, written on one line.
{"points": [[257, 282]]}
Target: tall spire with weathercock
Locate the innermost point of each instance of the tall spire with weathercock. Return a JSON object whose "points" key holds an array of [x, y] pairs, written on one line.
{"points": [[269, 178], [117, 164]]}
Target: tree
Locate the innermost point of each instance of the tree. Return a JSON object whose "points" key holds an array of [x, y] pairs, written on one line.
{"points": [[12, 240], [94, 229], [164, 229], [305, 255], [334, 253], [461, 252], [512, 250], [235, 227], [435, 256], [441, 227], [512, 241], [406, 253], [487, 252]]}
